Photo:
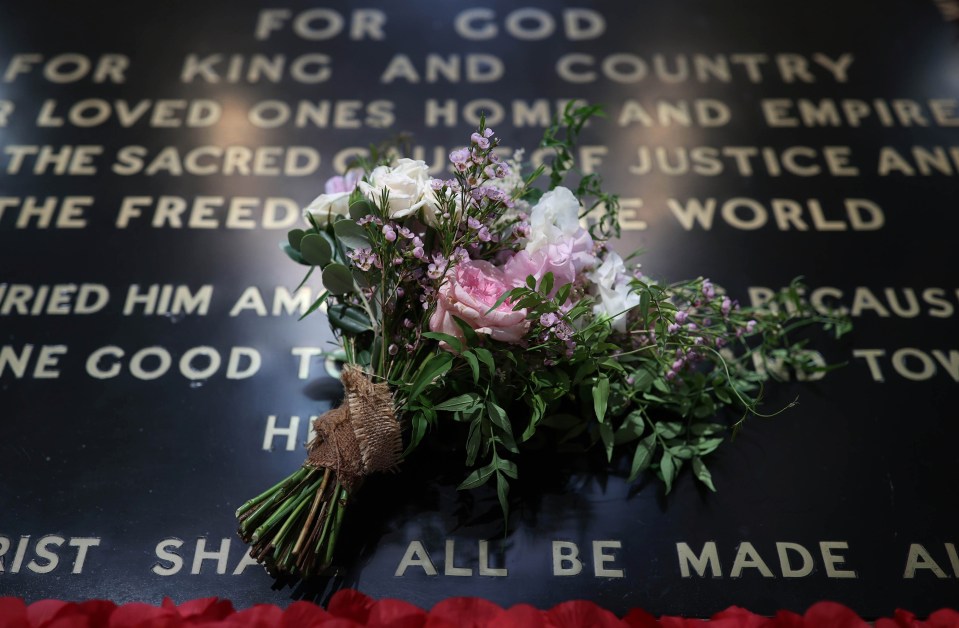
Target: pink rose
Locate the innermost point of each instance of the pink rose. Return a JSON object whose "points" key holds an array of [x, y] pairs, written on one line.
{"points": [[471, 288], [565, 258]]}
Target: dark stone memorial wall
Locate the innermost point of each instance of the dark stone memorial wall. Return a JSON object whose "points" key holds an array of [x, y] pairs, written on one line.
{"points": [[153, 374]]}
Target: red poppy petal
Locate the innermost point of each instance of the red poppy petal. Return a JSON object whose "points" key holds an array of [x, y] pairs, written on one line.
{"points": [[638, 618], [259, 616], [832, 615], [520, 616], [139, 615], [45, 611], [680, 622], [204, 609], [390, 613], [736, 617], [13, 613], [787, 619], [468, 612], [945, 618], [302, 615], [581, 613], [350, 604], [341, 622], [98, 611], [71, 621]]}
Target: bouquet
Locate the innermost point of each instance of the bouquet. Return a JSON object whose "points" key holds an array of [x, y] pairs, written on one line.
{"points": [[493, 301]]}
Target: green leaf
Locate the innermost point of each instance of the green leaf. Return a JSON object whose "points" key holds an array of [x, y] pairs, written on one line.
{"points": [[644, 305], [562, 295], [432, 367], [498, 416], [531, 282], [669, 429], [419, 425], [502, 299], [708, 445], [470, 358], [477, 478], [316, 304], [468, 332], [315, 249], [460, 402], [473, 441], [601, 398], [508, 467], [546, 285], [669, 469], [502, 491], [338, 279], [537, 411], [631, 429], [351, 235], [359, 209], [606, 434], [507, 440], [452, 341], [642, 457], [682, 452], [294, 236], [702, 473], [486, 358], [349, 318], [707, 429]]}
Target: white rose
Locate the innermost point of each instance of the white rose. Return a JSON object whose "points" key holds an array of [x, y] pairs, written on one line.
{"points": [[325, 206], [554, 220], [408, 184], [615, 297]]}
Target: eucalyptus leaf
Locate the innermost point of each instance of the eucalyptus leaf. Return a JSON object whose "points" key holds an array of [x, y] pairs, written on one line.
{"points": [[349, 318], [293, 254], [351, 235], [359, 209], [315, 249], [338, 279], [294, 237]]}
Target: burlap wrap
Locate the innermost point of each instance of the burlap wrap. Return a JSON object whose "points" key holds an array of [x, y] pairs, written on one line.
{"points": [[360, 437]]}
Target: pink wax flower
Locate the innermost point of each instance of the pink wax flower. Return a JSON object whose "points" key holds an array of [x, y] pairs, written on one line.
{"points": [[470, 289]]}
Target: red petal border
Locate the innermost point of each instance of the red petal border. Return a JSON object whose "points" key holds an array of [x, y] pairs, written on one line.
{"points": [[351, 609]]}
